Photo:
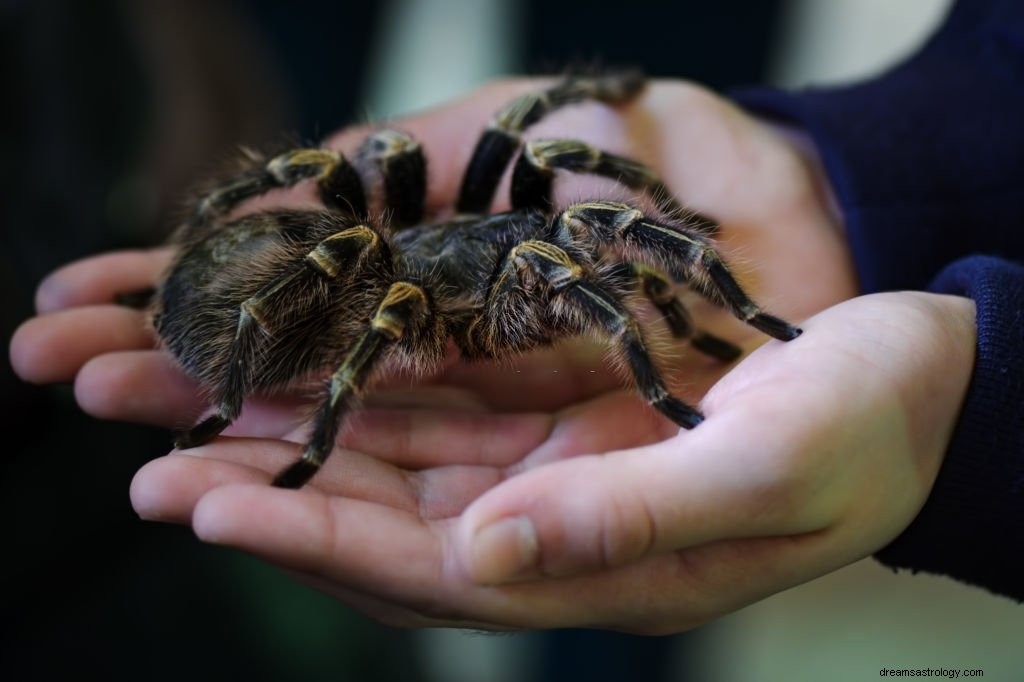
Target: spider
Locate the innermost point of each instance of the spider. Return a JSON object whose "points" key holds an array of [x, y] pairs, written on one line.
{"points": [[258, 302]]}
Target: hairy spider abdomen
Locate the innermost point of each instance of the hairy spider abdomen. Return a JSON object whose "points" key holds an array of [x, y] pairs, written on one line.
{"points": [[260, 291]]}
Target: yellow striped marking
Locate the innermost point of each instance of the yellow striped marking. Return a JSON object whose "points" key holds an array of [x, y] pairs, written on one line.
{"points": [[325, 158], [400, 292], [322, 258]]}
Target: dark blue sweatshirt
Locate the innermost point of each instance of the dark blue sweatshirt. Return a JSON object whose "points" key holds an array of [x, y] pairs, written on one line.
{"points": [[927, 163]]}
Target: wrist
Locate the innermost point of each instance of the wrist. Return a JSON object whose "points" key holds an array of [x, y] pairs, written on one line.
{"points": [[803, 148]]}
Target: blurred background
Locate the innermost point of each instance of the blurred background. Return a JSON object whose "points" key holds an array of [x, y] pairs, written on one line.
{"points": [[113, 107]]}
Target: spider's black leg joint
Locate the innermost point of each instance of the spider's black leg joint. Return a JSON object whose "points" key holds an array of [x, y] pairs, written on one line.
{"points": [[715, 347], [342, 189], [341, 393], [601, 307], [394, 160], [659, 291], [499, 142], [575, 298], [534, 172], [236, 381], [729, 289], [296, 475], [650, 384], [202, 432], [338, 184], [687, 255], [219, 202], [343, 252], [403, 311], [490, 157]]}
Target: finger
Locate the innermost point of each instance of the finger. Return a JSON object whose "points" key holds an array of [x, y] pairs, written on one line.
{"points": [[147, 387], [322, 536], [732, 477], [763, 463], [422, 439], [545, 380], [53, 348], [425, 396], [138, 386], [100, 278], [440, 493], [167, 489], [454, 469], [417, 439], [610, 421], [386, 612], [577, 370], [400, 561]]}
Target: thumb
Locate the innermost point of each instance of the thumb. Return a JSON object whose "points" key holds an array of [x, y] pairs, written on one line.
{"points": [[602, 511]]}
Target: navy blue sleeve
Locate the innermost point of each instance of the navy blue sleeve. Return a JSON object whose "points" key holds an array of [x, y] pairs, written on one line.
{"points": [[927, 164], [972, 526], [927, 161]]}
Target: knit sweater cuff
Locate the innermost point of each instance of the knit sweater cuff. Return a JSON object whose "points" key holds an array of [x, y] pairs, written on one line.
{"points": [[972, 525]]}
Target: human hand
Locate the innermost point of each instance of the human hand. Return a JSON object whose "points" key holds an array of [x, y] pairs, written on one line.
{"points": [[744, 174], [814, 453]]}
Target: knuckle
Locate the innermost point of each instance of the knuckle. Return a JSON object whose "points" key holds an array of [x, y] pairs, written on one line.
{"points": [[628, 530]]}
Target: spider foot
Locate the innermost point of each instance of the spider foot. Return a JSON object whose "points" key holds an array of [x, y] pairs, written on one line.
{"points": [[678, 411], [201, 433], [296, 475], [774, 327]]}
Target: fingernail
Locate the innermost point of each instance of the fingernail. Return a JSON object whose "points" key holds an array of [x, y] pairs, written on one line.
{"points": [[504, 550]]}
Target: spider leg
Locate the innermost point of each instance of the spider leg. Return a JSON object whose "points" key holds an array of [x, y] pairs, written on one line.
{"points": [[579, 304], [499, 142], [534, 172], [403, 312], [659, 290], [685, 254], [393, 161], [338, 184], [341, 252]]}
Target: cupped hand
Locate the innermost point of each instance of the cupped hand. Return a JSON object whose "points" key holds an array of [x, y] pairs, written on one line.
{"points": [[814, 454], [413, 474]]}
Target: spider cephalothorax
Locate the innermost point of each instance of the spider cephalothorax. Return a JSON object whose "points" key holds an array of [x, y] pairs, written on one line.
{"points": [[257, 302]]}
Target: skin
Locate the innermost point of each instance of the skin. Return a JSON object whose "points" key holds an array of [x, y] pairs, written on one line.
{"points": [[540, 492]]}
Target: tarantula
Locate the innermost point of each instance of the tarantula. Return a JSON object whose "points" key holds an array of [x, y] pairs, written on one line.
{"points": [[258, 302]]}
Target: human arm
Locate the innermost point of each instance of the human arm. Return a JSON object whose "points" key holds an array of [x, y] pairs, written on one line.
{"points": [[927, 169]]}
